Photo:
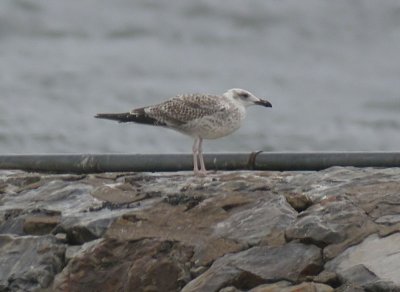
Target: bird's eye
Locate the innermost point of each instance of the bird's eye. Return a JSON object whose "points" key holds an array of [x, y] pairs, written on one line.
{"points": [[245, 95]]}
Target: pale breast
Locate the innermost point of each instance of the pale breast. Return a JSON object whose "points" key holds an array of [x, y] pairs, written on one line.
{"points": [[215, 126]]}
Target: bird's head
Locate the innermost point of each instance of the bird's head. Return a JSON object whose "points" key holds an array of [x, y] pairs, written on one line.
{"points": [[246, 98]]}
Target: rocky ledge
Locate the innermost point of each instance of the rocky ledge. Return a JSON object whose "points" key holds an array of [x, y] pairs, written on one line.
{"points": [[329, 230]]}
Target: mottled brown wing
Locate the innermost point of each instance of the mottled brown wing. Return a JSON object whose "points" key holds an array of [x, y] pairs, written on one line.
{"points": [[185, 108]]}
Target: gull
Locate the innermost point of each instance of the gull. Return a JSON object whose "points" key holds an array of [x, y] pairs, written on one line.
{"points": [[201, 116]]}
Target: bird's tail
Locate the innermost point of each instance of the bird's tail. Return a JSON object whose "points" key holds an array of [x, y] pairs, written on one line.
{"points": [[119, 117], [137, 115]]}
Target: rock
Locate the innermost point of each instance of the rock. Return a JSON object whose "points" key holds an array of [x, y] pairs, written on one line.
{"points": [[303, 287], [216, 226], [298, 201], [258, 265], [236, 230], [11, 222], [197, 271], [326, 277], [61, 237], [118, 193], [111, 265], [360, 276], [80, 215], [272, 212], [22, 181], [335, 225], [309, 287], [80, 230], [30, 221], [350, 288], [374, 260], [206, 252], [40, 224], [28, 263], [229, 289], [275, 287], [77, 250]]}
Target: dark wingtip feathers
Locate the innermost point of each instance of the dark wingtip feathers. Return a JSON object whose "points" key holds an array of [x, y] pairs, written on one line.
{"points": [[120, 117], [137, 116]]}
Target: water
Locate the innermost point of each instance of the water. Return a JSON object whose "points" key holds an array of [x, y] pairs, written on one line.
{"points": [[331, 69]]}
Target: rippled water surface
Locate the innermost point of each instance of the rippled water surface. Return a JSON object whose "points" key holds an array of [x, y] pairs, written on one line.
{"points": [[331, 69]]}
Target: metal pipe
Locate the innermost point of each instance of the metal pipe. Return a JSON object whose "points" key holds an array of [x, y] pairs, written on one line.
{"points": [[90, 163]]}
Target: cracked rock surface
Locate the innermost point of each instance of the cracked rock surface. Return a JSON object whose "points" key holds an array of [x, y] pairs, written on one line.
{"points": [[336, 229]]}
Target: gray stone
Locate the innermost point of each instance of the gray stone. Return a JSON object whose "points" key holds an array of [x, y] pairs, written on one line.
{"points": [[234, 230], [13, 224], [335, 225], [360, 276], [258, 265], [275, 287], [375, 259], [388, 219], [80, 230], [271, 212], [230, 289], [304, 287], [28, 263], [326, 277]]}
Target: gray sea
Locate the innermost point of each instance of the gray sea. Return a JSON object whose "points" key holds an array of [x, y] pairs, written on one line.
{"points": [[331, 69]]}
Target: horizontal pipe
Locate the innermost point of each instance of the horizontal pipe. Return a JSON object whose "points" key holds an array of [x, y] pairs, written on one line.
{"points": [[91, 163]]}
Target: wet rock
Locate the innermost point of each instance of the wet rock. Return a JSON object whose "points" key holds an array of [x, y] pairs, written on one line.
{"points": [[257, 265], [111, 265], [374, 260], [28, 263]]}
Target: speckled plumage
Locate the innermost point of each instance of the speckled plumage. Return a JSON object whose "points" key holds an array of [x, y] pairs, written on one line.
{"points": [[202, 116], [208, 116]]}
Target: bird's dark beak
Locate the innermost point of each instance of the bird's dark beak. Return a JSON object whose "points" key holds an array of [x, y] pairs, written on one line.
{"points": [[263, 102]]}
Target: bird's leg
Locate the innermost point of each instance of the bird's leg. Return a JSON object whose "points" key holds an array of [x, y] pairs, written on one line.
{"points": [[202, 166], [195, 150]]}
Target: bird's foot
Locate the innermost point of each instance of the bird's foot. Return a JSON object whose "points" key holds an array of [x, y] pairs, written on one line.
{"points": [[200, 172]]}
